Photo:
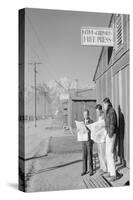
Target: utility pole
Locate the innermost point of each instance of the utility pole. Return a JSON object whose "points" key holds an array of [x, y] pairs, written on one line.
{"points": [[35, 72], [76, 81]]}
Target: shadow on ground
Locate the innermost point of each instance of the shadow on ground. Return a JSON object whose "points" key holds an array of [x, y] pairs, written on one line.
{"points": [[13, 185]]}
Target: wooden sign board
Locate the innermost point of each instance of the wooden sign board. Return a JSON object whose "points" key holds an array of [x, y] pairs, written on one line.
{"points": [[97, 36]]}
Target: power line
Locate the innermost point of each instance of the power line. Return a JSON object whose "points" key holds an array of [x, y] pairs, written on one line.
{"points": [[37, 37], [34, 51], [35, 72], [41, 44]]}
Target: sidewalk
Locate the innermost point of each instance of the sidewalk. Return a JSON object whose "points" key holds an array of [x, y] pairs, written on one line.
{"points": [[100, 181]]}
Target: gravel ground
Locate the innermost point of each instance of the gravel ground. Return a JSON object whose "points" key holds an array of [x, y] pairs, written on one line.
{"points": [[56, 172], [60, 169]]}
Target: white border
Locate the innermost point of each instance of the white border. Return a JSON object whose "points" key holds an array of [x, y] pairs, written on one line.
{"points": [[9, 98]]}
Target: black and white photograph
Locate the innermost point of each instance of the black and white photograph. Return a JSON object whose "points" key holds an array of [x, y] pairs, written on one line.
{"points": [[74, 100]]}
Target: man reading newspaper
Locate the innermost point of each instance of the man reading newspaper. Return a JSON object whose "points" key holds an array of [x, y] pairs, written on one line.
{"points": [[83, 135]]}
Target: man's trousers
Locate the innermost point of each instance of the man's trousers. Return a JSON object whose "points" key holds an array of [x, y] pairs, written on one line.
{"points": [[102, 156], [87, 147], [110, 155]]}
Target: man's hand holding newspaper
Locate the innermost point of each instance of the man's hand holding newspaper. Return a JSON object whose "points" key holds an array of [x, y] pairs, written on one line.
{"points": [[82, 131], [97, 131]]}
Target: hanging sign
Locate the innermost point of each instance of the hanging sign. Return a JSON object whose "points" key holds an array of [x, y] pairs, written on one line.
{"points": [[97, 36]]}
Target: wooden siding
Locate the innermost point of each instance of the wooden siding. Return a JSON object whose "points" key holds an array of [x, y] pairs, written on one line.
{"points": [[113, 82]]}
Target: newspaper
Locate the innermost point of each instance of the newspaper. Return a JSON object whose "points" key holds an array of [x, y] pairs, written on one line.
{"points": [[98, 131], [82, 132]]}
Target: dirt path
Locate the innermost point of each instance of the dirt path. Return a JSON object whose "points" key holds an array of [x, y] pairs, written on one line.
{"points": [[56, 172]]}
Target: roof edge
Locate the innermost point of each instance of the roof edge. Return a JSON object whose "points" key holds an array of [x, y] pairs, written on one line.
{"points": [[101, 51]]}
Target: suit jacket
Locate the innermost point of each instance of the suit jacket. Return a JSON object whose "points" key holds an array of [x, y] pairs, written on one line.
{"points": [[111, 121]]}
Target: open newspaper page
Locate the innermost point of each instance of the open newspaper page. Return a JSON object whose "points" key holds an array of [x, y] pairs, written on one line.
{"points": [[98, 132], [82, 132]]}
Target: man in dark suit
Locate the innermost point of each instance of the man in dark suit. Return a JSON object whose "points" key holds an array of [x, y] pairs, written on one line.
{"points": [[87, 147]]}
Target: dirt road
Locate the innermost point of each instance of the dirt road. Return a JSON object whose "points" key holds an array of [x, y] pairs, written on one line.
{"points": [[56, 172]]}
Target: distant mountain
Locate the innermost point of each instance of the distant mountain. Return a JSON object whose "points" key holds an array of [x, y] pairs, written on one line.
{"points": [[54, 89], [61, 86]]}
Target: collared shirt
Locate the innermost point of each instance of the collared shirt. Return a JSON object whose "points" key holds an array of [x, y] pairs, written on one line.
{"points": [[88, 121]]}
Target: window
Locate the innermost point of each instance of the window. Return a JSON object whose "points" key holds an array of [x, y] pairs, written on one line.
{"points": [[118, 32]]}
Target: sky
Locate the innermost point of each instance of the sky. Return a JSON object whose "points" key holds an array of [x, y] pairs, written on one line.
{"points": [[53, 38]]}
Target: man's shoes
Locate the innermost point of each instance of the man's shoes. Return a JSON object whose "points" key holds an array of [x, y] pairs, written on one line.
{"points": [[91, 173], [112, 178], [116, 177], [101, 171], [83, 173], [107, 174]]}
